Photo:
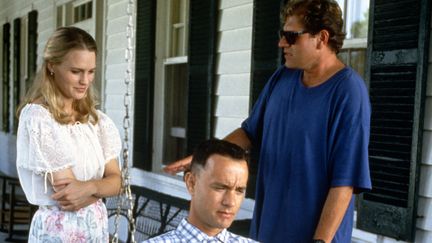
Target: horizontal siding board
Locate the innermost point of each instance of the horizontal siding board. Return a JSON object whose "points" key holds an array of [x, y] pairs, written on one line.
{"points": [[233, 85], [116, 10], [115, 86], [115, 71], [234, 62], [225, 125], [428, 114], [117, 25], [424, 222], [425, 188], [225, 106], [235, 40], [115, 56], [116, 41], [115, 102], [235, 18], [233, 3], [427, 148]]}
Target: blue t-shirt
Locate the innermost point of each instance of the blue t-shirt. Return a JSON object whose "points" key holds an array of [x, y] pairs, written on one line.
{"points": [[310, 139]]}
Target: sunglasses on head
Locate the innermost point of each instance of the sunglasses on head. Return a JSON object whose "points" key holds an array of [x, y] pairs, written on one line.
{"points": [[291, 36]]}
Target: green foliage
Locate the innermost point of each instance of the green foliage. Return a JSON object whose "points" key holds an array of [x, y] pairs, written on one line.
{"points": [[359, 29]]}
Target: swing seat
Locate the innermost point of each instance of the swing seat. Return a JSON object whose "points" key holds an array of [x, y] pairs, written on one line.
{"points": [[155, 213]]}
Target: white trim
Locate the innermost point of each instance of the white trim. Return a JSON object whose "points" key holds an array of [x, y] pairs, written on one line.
{"points": [[175, 60], [355, 43]]}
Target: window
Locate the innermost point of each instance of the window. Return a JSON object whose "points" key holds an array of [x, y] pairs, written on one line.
{"points": [[356, 19], [174, 79], [77, 13], [172, 70], [82, 12]]}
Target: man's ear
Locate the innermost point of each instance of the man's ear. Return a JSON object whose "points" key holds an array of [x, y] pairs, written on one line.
{"points": [[190, 180], [323, 38]]}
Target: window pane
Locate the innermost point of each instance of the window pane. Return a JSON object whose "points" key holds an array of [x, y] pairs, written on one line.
{"points": [[356, 18], [176, 96], [178, 28]]}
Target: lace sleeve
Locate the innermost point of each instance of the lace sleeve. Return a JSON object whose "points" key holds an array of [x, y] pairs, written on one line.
{"points": [[109, 137], [42, 144]]}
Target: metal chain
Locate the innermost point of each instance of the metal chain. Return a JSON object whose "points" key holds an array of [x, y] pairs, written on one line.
{"points": [[125, 198]]}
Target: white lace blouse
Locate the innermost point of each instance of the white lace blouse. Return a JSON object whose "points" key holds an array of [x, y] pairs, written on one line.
{"points": [[44, 146]]}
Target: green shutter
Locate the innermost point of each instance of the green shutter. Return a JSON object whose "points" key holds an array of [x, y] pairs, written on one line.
{"points": [[144, 83], [397, 54], [16, 67], [202, 53], [265, 60], [5, 77], [265, 51], [31, 47]]}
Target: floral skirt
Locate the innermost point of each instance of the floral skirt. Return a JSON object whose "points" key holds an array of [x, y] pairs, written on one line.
{"points": [[50, 224]]}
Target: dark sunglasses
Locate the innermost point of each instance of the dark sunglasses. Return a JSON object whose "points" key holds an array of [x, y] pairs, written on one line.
{"points": [[291, 36]]}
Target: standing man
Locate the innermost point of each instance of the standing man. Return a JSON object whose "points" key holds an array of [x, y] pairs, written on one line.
{"points": [[217, 184], [311, 125]]}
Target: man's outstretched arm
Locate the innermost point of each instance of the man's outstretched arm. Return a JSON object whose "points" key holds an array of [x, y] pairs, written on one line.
{"points": [[238, 137]]}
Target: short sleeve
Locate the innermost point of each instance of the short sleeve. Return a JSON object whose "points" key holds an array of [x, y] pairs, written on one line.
{"points": [[109, 137], [41, 142], [350, 136], [254, 123]]}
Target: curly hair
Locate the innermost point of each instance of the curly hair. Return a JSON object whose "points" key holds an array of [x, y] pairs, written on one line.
{"points": [[61, 42], [318, 15]]}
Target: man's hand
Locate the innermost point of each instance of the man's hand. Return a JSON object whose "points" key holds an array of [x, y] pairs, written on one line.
{"points": [[238, 137], [178, 166], [75, 194]]}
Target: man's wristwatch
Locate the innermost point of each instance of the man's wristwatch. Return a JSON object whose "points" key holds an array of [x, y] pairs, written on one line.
{"points": [[318, 241]]}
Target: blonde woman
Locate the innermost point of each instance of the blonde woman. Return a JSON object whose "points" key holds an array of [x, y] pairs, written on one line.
{"points": [[66, 149]]}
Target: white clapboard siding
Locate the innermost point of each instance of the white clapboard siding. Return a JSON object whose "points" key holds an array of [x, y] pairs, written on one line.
{"points": [[235, 40], [233, 62], [225, 125], [233, 65], [116, 9], [116, 56], [428, 114], [424, 211], [233, 84], [115, 87], [232, 106], [233, 3], [427, 152], [115, 41], [115, 66], [236, 17]]}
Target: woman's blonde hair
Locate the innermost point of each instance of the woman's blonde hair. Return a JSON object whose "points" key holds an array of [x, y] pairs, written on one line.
{"points": [[61, 42]]}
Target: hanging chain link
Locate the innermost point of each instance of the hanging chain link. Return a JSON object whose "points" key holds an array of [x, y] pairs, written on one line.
{"points": [[125, 198]]}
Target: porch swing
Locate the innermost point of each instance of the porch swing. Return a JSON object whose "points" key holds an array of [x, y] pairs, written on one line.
{"points": [[148, 212]]}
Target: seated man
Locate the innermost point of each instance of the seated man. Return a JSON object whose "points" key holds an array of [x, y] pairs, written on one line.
{"points": [[217, 183]]}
